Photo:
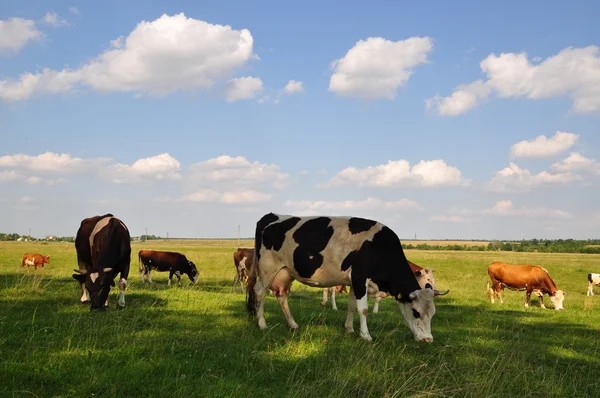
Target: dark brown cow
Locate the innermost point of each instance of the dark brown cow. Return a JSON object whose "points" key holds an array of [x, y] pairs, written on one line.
{"points": [[162, 261], [37, 260], [242, 259], [103, 251], [531, 278]]}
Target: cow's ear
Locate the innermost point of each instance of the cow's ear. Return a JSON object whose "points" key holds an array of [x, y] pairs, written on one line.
{"points": [[79, 277]]}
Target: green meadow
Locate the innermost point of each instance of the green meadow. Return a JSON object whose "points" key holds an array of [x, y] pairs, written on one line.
{"points": [[197, 340]]}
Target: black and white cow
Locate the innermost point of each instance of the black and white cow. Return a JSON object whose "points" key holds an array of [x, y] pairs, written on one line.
{"points": [[328, 251], [594, 279], [103, 251]]}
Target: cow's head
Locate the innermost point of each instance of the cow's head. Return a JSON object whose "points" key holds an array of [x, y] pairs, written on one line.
{"points": [[193, 274], [97, 282], [425, 276], [418, 309], [557, 299], [45, 259]]}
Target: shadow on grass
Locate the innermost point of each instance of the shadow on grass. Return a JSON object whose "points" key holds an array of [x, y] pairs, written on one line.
{"points": [[152, 349]]}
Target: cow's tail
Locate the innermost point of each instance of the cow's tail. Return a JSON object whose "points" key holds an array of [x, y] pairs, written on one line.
{"points": [[23, 262], [140, 263]]}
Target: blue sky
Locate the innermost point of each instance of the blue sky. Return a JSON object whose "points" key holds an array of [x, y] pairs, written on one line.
{"points": [[468, 120]]}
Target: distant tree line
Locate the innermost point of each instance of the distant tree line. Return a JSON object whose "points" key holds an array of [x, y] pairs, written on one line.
{"points": [[590, 246], [14, 237]]}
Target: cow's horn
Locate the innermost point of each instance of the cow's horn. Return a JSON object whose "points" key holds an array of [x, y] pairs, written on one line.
{"points": [[107, 269], [438, 293], [81, 271]]}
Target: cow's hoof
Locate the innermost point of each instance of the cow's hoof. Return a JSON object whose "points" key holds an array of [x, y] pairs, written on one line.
{"points": [[366, 337], [85, 302], [349, 330], [120, 307]]}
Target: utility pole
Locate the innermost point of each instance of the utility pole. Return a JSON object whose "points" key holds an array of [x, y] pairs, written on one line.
{"points": [[238, 236], [146, 240], [167, 235], [29, 233]]}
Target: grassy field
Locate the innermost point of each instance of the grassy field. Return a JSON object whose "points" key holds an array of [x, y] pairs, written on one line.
{"points": [[196, 340]]}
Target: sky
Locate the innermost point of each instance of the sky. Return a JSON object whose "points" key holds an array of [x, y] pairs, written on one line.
{"points": [[442, 120]]}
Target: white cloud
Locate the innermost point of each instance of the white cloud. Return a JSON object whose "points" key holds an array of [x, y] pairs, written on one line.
{"points": [[376, 67], [514, 178], [15, 33], [398, 173], [26, 200], [453, 219], [242, 88], [168, 54], [34, 180], [543, 147], [293, 86], [53, 19], [8, 176], [573, 71], [227, 197], [338, 207], [506, 208], [74, 10], [237, 171], [576, 161], [156, 168], [50, 163], [464, 98]]}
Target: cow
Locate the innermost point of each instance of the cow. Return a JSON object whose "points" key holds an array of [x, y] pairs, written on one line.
{"points": [[531, 278], [322, 251], [424, 276], [594, 279], [103, 251], [161, 261], [330, 291], [37, 260], [242, 259]]}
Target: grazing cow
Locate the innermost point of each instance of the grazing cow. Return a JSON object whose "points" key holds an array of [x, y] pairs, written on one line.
{"points": [[330, 291], [328, 251], [594, 279], [103, 251], [175, 263], [531, 278], [242, 259], [37, 260]]}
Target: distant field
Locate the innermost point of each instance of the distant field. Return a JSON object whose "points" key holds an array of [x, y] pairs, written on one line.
{"points": [[196, 340], [445, 242]]}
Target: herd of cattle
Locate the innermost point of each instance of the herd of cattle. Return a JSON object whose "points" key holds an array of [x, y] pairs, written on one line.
{"points": [[323, 252]]}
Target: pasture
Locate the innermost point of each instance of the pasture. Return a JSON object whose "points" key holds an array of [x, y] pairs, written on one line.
{"points": [[196, 340]]}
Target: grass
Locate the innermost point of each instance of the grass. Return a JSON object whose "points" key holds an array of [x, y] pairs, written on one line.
{"points": [[196, 340]]}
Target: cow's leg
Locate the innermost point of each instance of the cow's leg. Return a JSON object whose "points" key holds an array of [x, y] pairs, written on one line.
{"points": [[122, 288], [527, 296], [148, 276], [333, 303], [349, 325], [259, 289], [540, 296], [171, 273], [590, 291], [325, 296], [362, 305], [84, 298], [281, 287], [178, 275], [376, 306], [236, 278], [143, 274]]}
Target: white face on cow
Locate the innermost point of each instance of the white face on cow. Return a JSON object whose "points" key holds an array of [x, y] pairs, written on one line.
{"points": [[557, 299], [425, 276], [418, 314]]}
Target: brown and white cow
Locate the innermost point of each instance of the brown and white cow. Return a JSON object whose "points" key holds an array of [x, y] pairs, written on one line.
{"points": [[103, 251], [242, 259], [531, 278], [594, 279], [37, 260], [322, 252]]}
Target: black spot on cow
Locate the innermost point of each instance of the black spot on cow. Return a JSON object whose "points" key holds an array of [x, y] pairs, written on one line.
{"points": [[260, 226], [358, 225], [274, 234], [590, 278], [312, 238], [416, 313]]}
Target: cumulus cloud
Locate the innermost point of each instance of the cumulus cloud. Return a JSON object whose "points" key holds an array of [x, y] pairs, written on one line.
{"points": [[307, 207], [293, 86], [543, 147], [514, 178], [376, 67], [53, 19], [50, 163], [242, 88], [8, 176], [15, 33], [237, 171], [398, 172], [156, 168], [573, 71], [576, 161], [506, 208], [168, 54], [453, 219]]}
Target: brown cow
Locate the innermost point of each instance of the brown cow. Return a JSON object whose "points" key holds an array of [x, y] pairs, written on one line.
{"points": [[531, 278], [242, 259], [37, 260]]}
